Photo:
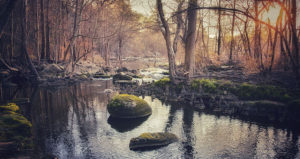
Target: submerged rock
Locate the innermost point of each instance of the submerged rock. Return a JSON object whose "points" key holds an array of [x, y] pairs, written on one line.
{"points": [[128, 106], [152, 140]]}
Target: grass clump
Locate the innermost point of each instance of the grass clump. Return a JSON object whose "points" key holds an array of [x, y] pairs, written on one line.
{"points": [[207, 85], [247, 91], [162, 83]]}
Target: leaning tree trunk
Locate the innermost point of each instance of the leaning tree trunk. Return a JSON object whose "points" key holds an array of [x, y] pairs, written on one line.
{"points": [[191, 37], [167, 34]]}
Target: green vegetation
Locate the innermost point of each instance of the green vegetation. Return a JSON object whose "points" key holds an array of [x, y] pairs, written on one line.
{"points": [[157, 136], [207, 85], [162, 83], [243, 91], [147, 140], [9, 107], [14, 126], [247, 91], [128, 106]]}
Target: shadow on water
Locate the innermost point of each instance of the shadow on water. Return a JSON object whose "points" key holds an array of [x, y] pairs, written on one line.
{"points": [[124, 125]]}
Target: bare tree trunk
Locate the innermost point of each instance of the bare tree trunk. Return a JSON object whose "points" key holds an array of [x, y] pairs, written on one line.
{"points": [[257, 32], [24, 40], [295, 40], [166, 34], [232, 30], [12, 38], [37, 33], [42, 31], [75, 28], [47, 34], [179, 26], [247, 37], [120, 51], [219, 28], [191, 37], [5, 14]]}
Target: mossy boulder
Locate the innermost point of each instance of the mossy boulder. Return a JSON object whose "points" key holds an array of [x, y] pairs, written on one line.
{"points": [[128, 106], [152, 140], [15, 127]]}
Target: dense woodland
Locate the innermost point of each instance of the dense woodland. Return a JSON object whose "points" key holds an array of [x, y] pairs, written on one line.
{"points": [[191, 33]]}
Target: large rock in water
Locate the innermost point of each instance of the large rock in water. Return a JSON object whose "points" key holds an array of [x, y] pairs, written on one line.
{"points": [[152, 140], [128, 106]]}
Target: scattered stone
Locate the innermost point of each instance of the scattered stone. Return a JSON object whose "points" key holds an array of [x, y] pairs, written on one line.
{"points": [[152, 140]]}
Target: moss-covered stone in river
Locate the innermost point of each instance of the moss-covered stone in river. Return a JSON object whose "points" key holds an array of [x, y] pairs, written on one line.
{"points": [[151, 140], [14, 126], [128, 106]]}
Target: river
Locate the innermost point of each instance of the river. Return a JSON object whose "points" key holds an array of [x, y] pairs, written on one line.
{"points": [[72, 122]]}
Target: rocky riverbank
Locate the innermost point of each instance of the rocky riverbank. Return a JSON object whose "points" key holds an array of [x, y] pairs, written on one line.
{"points": [[267, 103], [62, 74]]}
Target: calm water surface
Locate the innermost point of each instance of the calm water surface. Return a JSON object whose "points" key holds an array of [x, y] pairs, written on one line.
{"points": [[72, 122]]}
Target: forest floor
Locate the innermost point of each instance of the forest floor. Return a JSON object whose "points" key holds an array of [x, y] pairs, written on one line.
{"points": [[239, 74]]}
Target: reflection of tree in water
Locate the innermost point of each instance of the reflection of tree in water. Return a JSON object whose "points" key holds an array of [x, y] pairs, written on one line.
{"points": [[187, 126], [188, 116], [57, 113]]}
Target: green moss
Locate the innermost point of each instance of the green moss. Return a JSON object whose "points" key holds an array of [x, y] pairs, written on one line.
{"points": [[148, 140], [14, 126], [128, 106], [225, 85], [252, 92], [157, 136], [162, 83], [9, 107], [209, 86]]}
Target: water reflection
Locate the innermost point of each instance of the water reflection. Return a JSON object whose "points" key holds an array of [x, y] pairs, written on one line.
{"points": [[123, 125], [72, 122]]}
